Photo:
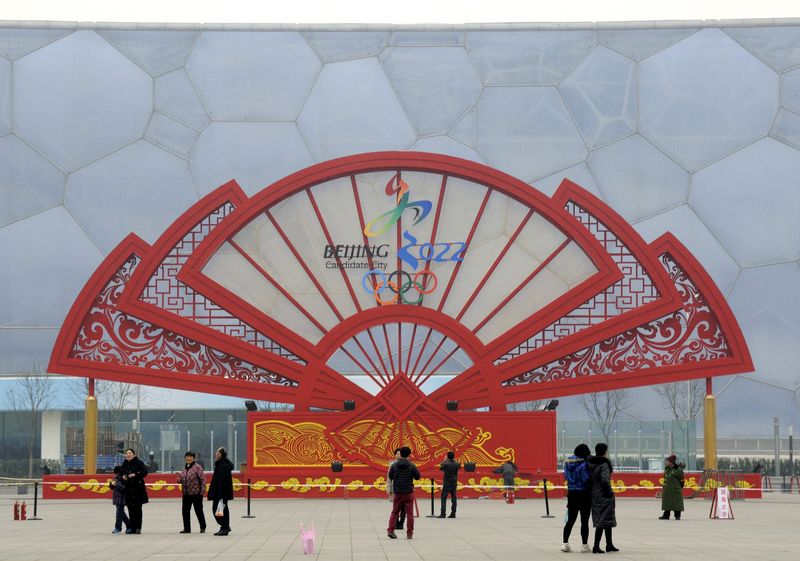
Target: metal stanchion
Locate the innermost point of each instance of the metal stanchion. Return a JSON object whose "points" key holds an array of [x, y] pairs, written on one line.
{"points": [[35, 501], [248, 515], [433, 506], [546, 501]]}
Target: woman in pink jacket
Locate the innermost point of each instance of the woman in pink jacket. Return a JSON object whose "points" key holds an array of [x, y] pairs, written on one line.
{"points": [[193, 483]]}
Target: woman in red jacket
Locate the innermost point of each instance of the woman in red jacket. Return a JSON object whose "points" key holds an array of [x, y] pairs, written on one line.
{"points": [[193, 483]]}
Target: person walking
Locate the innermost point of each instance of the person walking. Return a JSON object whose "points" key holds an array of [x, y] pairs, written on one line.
{"points": [[604, 515], [403, 473], [579, 498], [672, 489], [118, 500], [193, 483], [390, 490], [220, 491], [450, 469], [133, 472]]}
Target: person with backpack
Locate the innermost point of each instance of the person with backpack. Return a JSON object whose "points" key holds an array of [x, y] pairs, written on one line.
{"points": [[579, 497], [403, 473], [672, 489]]}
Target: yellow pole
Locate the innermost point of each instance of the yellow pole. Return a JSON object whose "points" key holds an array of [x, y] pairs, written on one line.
{"points": [[710, 427], [90, 432]]}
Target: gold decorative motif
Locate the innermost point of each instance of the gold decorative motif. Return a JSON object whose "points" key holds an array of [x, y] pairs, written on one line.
{"points": [[306, 444], [282, 444]]}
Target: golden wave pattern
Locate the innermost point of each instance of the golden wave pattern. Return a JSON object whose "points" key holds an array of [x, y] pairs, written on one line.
{"points": [[305, 444], [282, 444]]}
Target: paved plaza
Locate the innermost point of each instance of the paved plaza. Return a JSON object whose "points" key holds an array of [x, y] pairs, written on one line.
{"points": [[355, 530]]}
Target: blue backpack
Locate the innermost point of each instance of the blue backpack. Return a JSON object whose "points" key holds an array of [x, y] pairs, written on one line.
{"points": [[576, 472]]}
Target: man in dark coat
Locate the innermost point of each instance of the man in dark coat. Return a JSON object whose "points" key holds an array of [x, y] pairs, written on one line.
{"points": [[133, 471], [672, 490], [450, 468], [604, 515], [221, 490], [403, 473]]}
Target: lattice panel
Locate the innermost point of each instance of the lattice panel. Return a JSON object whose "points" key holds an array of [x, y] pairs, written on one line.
{"points": [[165, 291], [112, 337], [690, 335], [635, 289]]}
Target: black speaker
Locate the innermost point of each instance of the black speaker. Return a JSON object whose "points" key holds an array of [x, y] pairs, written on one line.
{"points": [[349, 405], [452, 405], [469, 466], [250, 405], [337, 466]]}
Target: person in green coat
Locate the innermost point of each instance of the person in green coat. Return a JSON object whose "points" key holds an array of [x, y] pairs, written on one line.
{"points": [[672, 490]]}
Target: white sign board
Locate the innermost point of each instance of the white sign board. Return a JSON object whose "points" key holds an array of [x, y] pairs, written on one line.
{"points": [[170, 438], [723, 504]]}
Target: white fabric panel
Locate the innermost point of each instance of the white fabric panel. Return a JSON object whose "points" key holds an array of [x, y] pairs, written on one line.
{"points": [[254, 154], [420, 74], [80, 98], [527, 132], [175, 96], [543, 289], [331, 46], [768, 312], [778, 46], [572, 265], [171, 135], [525, 57], [231, 270], [637, 179], [688, 228], [639, 44], [448, 146], [16, 42], [141, 189], [352, 108], [50, 259], [464, 129], [601, 93], [269, 80], [155, 51], [418, 38], [5, 96], [705, 97], [787, 128], [578, 174], [28, 182], [790, 90], [750, 202]]}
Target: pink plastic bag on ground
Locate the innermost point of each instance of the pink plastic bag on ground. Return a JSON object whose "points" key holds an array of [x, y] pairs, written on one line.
{"points": [[307, 538]]}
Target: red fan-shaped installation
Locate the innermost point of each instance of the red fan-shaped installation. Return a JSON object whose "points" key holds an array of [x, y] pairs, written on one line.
{"points": [[398, 283]]}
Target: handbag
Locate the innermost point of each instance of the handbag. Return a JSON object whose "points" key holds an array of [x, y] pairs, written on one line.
{"points": [[220, 509]]}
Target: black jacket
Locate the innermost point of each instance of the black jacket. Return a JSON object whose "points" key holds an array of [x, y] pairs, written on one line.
{"points": [[450, 469], [403, 473], [221, 486], [135, 490]]}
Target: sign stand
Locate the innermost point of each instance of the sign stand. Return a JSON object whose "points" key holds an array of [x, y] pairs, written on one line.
{"points": [[721, 505]]}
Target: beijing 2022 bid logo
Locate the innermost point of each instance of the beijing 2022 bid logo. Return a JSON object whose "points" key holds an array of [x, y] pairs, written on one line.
{"points": [[418, 279]]}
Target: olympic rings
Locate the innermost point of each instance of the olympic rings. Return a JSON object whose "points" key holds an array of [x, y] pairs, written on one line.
{"points": [[399, 283]]}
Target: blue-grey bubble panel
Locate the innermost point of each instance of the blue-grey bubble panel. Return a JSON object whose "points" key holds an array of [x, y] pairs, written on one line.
{"points": [[79, 99]]}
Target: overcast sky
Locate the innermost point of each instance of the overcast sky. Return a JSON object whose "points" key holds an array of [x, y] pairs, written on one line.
{"points": [[402, 12]]}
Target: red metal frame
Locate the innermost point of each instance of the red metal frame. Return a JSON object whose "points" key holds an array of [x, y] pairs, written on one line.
{"points": [[495, 362]]}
